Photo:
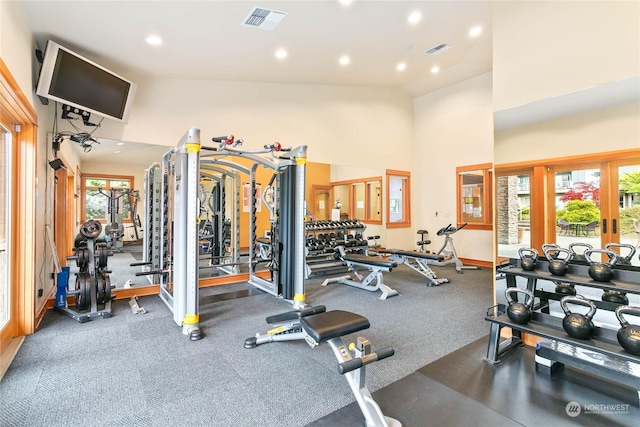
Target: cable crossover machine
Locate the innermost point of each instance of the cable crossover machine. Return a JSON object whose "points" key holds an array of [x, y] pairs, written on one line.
{"points": [[175, 203]]}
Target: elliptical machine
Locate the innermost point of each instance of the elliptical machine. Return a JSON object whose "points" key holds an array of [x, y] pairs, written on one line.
{"points": [[448, 251]]}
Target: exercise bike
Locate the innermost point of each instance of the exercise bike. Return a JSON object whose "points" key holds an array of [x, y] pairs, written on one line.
{"points": [[448, 251]]}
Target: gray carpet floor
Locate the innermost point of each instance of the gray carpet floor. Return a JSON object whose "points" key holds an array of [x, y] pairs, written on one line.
{"points": [[139, 370]]}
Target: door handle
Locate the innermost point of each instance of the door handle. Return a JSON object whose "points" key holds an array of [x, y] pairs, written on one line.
{"points": [[614, 226], [604, 225]]}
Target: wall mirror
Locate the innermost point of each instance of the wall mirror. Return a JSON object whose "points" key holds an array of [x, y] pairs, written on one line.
{"points": [[357, 191]]}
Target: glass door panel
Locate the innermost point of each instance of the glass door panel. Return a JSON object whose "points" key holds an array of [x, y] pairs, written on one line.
{"points": [[5, 237], [627, 214], [576, 197], [513, 210]]}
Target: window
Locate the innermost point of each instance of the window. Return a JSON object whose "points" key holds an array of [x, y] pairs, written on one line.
{"points": [[101, 191], [474, 196], [398, 199], [359, 199]]}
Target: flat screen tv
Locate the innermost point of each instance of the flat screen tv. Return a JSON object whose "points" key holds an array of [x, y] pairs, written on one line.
{"points": [[71, 79]]}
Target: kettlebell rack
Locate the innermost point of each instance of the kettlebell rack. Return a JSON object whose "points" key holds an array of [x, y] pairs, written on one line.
{"points": [[557, 345]]}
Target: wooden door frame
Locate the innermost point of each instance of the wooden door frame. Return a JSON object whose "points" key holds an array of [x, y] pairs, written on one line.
{"points": [[542, 188], [17, 111]]}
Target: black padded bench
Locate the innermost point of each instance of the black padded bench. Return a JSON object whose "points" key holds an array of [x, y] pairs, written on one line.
{"points": [[333, 324], [317, 326], [370, 260], [413, 254], [417, 261], [296, 315], [374, 264]]}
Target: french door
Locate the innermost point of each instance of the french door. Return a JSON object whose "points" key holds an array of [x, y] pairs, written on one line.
{"points": [[591, 200], [18, 181]]}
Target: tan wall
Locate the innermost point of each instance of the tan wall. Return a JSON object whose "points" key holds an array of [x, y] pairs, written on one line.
{"points": [[16, 44], [339, 124], [543, 49], [610, 129], [452, 127]]}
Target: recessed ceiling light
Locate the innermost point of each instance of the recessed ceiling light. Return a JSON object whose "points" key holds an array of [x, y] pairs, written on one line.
{"points": [[117, 152], [154, 40], [281, 53], [120, 143], [401, 66], [475, 31], [344, 60], [415, 17], [435, 69], [345, 2]]}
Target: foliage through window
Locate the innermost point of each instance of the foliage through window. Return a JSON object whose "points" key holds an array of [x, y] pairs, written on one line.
{"points": [[99, 190]]}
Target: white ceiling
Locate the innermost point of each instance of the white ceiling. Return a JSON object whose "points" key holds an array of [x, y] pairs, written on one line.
{"points": [[205, 40]]}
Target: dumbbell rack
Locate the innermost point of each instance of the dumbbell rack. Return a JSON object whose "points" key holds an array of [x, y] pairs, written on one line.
{"points": [[557, 345], [322, 238]]}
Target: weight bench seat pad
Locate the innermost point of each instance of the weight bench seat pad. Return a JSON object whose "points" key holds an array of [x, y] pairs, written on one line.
{"points": [[264, 240], [297, 314], [414, 254], [333, 324], [370, 260]]}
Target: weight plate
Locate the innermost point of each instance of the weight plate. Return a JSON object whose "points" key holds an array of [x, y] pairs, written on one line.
{"points": [[107, 287], [100, 290], [82, 259], [91, 229], [83, 298], [102, 254]]}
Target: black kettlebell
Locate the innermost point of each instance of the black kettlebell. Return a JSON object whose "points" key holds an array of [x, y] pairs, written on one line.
{"points": [[565, 288], [615, 297], [601, 271], [547, 247], [622, 260], [579, 255], [628, 335], [518, 312], [558, 265], [578, 325], [528, 258]]}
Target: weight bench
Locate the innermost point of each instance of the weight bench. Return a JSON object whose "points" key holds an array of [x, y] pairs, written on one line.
{"points": [[417, 261], [317, 326], [374, 264]]}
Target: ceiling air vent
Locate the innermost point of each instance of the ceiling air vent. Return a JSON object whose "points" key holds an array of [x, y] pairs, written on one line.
{"points": [[265, 19], [438, 49]]}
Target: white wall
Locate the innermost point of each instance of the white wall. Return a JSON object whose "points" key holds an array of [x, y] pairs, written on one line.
{"points": [[543, 49], [451, 127]]}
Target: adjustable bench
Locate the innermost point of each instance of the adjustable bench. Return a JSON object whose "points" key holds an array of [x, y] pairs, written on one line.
{"points": [[417, 261], [317, 326], [374, 264]]}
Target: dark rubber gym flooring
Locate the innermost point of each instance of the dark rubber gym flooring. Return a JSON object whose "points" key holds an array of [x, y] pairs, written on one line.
{"points": [[462, 390]]}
